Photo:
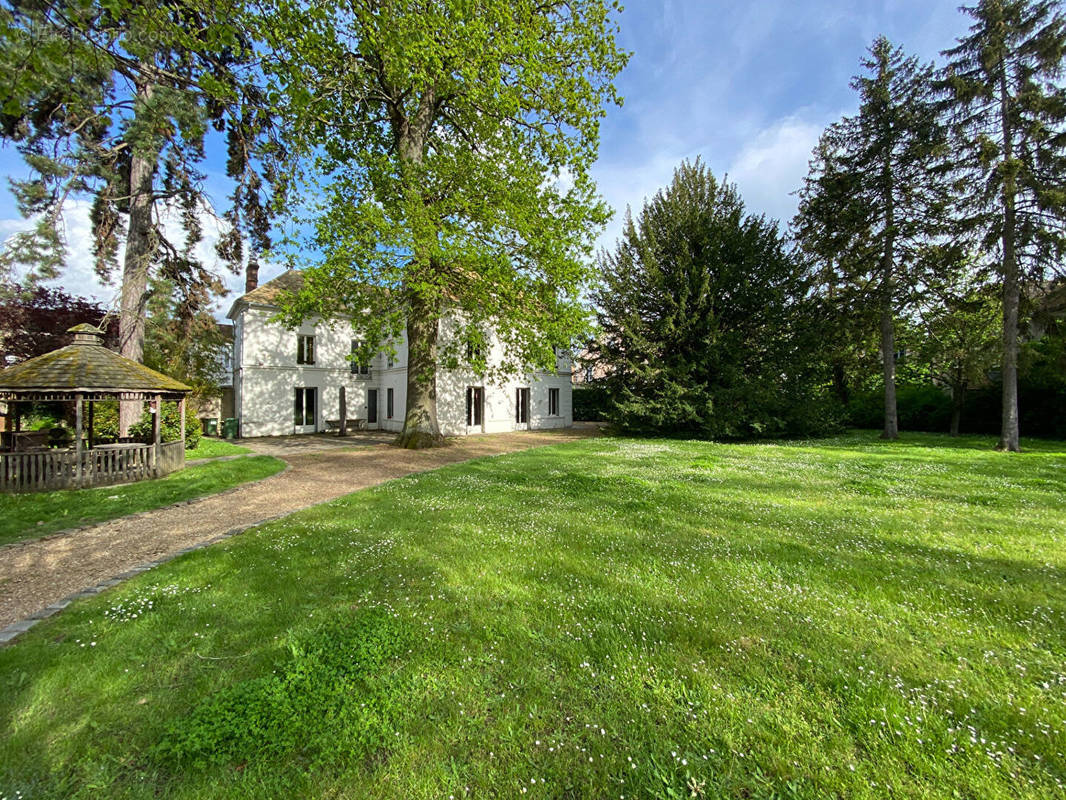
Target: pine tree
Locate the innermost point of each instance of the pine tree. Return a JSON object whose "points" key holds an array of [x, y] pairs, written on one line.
{"points": [[874, 196], [1002, 88], [114, 102]]}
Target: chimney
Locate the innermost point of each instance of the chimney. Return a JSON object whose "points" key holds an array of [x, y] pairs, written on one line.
{"points": [[251, 273]]}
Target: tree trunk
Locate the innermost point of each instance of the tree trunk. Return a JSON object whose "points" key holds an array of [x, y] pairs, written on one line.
{"points": [[139, 247], [343, 413], [958, 398], [420, 428], [888, 332], [888, 359], [1009, 432]]}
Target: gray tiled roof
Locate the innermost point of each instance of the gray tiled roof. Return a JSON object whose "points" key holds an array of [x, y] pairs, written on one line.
{"points": [[86, 366]]}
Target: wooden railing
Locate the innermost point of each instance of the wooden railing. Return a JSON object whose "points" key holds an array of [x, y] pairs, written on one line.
{"points": [[47, 470]]}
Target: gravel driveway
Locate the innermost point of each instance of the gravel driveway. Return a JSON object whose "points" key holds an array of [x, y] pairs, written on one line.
{"points": [[37, 574]]}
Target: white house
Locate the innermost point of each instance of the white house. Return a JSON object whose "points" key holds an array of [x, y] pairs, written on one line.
{"points": [[288, 381]]}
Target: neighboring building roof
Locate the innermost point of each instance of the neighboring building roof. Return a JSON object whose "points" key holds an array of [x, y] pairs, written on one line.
{"points": [[85, 366], [270, 292]]}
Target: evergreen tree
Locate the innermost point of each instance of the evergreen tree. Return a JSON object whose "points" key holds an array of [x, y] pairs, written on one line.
{"points": [[1002, 87], [699, 308], [875, 196], [114, 101]]}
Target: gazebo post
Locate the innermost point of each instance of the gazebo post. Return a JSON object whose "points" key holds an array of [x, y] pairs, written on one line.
{"points": [[79, 469], [156, 424], [181, 423], [92, 424]]}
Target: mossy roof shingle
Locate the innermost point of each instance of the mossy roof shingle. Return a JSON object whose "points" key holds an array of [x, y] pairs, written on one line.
{"points": [[86, 366]]}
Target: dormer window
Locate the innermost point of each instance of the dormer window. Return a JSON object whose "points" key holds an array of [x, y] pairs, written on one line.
{"points": [[305, 349]]}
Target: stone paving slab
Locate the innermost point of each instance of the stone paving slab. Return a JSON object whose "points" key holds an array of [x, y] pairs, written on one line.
{"points": [[40, 577]]}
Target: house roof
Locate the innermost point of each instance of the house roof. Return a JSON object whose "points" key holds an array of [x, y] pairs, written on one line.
{"points": [[269, 293], [87, 367]]}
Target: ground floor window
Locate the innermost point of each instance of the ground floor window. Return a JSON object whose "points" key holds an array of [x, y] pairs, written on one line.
{"points": [[475, 405], [304, 403], [553, 402], [521, 414], [388, 404]]}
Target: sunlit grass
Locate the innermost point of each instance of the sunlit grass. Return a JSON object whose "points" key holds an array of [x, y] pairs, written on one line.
{"points": [[26, 516], [214, 448], [844, 618]]}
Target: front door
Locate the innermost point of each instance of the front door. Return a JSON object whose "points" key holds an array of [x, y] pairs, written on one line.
{"points": [[521, 413], [305, 409], [371, 407]]}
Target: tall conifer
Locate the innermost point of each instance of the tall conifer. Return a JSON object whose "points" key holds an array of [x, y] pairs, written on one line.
{"points": [[1007, 110], [874, 196]]}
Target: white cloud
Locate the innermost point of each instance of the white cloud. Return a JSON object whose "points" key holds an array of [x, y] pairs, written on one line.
{"points": [[79, 277], [771, 167]]}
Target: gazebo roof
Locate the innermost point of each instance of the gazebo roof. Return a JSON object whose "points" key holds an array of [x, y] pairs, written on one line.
{"points": [[85, 367]]}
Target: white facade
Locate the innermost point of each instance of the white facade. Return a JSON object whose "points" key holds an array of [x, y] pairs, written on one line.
{"points": [[268, 380]]}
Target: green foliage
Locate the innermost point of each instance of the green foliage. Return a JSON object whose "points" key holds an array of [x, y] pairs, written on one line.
{"points": [[1002, 89], [458, 176], [592, 402], [334, 700], [874, 199], [703, 318], [188, 346], [105, 419], [920, 408], [170, 426], [93, 91]]}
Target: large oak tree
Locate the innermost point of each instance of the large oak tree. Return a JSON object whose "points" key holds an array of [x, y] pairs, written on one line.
{"points": [[449, 144]]}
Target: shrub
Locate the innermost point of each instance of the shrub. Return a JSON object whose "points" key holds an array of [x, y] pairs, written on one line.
{"points": [[170, 430], [591, 402]]}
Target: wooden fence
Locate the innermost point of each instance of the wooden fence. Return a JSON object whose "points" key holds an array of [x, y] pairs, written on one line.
{"points": [[47, 470]]}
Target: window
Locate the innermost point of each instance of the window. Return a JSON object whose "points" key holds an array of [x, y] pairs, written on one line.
{"points": [[358, 368], [305, 349], [390, 362], [475, 405], [303, 406], [553, 402], [521, 415], [388, 404], [588, 374]]}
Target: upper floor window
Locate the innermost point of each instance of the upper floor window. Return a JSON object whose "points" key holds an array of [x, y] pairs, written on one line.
{"points": [[358, 368], [589, 374], [305, 349], [389, 363]]}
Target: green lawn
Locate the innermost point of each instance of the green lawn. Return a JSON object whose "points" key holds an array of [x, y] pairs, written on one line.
{"points": [[607, 618], [214, 448], [25, 516]]}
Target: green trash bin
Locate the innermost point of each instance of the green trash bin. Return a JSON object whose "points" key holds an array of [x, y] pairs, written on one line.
{"points": [[229, 428], [210, 427]]}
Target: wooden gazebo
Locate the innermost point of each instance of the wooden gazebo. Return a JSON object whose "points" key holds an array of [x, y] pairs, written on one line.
{"points": [[83, 373]]}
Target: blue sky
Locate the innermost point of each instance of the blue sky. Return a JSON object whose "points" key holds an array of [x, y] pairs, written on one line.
{"points": [[748, 86]]}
